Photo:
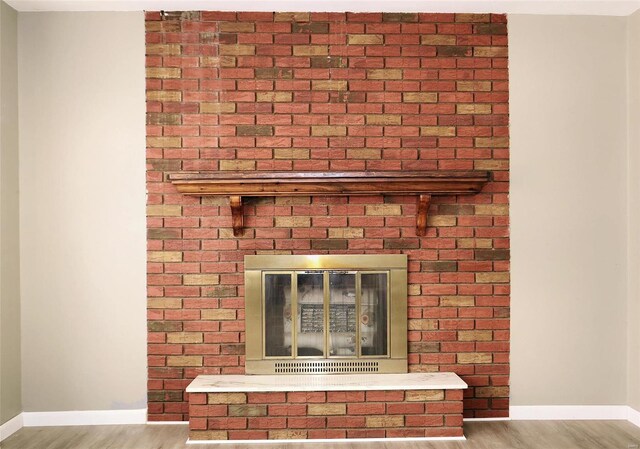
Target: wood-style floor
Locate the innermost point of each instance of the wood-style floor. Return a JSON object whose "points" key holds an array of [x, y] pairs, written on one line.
{"points": [[480, 435]]}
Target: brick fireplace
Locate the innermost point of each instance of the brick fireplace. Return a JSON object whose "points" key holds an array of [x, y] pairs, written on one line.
{"points": [[331, 92]]}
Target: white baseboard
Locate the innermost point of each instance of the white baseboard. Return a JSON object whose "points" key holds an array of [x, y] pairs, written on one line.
{"points": [[84, 418], [634, 416], [568, 412], [11, 427]]}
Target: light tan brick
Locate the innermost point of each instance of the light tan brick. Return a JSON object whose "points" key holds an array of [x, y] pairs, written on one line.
{"points": [[414, 290], [475, 335], [217, 61], [184, 360], [438, 39], [206, 435], [274, 97], [217, 108], [441, 220], [164, 95], [457, 301], [163, 72], [384, 421], [492, 209], [384, 119], [346, 233], [163, 49], [383, 209], [474, 357], [184, 337], [491, 278], [290, 153], [365, 39], [201, 279], [291, 17], [490, 52], [424, 395], [491, 164], [422, 325], [326, 409], [310, 50], [473, 108], [164, 142], [164, 210], [324, 131], [287, 434], [293, 222], [364, 153], [475, 243], [292, 200], [440, 131], [473, 86], [237, 50], [419, 97], [218, 314], [227, 398], [492, 142], [164, 303], [384, 74], [164, 256], [237, 165], [237, 27], [329, 85]]}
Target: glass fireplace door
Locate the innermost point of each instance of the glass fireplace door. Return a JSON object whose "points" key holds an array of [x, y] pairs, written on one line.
{"points": [[326, 314]]}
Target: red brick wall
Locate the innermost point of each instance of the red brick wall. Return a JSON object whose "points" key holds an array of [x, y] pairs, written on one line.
{"points": [[319, 91]]}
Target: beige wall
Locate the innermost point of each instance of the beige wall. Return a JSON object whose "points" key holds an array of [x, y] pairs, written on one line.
{"points": [[568, 210], [82, 161], [633, 320], [10, 400]]}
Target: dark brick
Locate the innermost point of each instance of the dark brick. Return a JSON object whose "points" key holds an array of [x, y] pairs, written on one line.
{"points": [[165, 396], [453, 50], [254, 130], [399, 17], [220, 291], [181, 15], [163, 234], [164, 326], [160, 118], [165, 164], [273, 73], [444, 265], [492, 254], [401, 244], [209, 38], [418, 347], [238, 349], [328, 62], [501, 312], [490, 28], [228, 38], [456, 209], [329, 244], [247, 410], [312, 27]]}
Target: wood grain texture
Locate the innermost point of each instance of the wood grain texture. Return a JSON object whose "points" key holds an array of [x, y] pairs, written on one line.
{"points": [[480, 435]]}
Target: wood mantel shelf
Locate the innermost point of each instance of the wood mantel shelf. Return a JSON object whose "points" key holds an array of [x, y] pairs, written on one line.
{"points": [[236, 185]]}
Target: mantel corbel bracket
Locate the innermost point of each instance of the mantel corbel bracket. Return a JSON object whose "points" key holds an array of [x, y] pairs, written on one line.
{"points": [[236, 185]]}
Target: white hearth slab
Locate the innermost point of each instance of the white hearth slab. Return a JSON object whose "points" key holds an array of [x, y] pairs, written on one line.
{"points": [[329, 382]]}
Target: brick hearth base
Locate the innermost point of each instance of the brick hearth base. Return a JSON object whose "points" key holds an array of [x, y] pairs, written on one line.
{"points": [[422, 409]]}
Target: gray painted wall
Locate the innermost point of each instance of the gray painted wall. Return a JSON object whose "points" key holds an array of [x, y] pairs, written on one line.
{"points": [[568, 210], [633, 257], [10, 376], [82, 179], [82, 217]]}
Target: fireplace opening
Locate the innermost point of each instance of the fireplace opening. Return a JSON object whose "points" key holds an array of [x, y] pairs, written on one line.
{"points": [[326, 314]]}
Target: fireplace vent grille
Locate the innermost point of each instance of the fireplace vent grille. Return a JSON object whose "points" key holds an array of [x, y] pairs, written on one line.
{"points": [[326, 367]]}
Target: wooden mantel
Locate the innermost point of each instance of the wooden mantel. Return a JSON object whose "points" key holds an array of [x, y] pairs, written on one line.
{"points": [[236, 185]]}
